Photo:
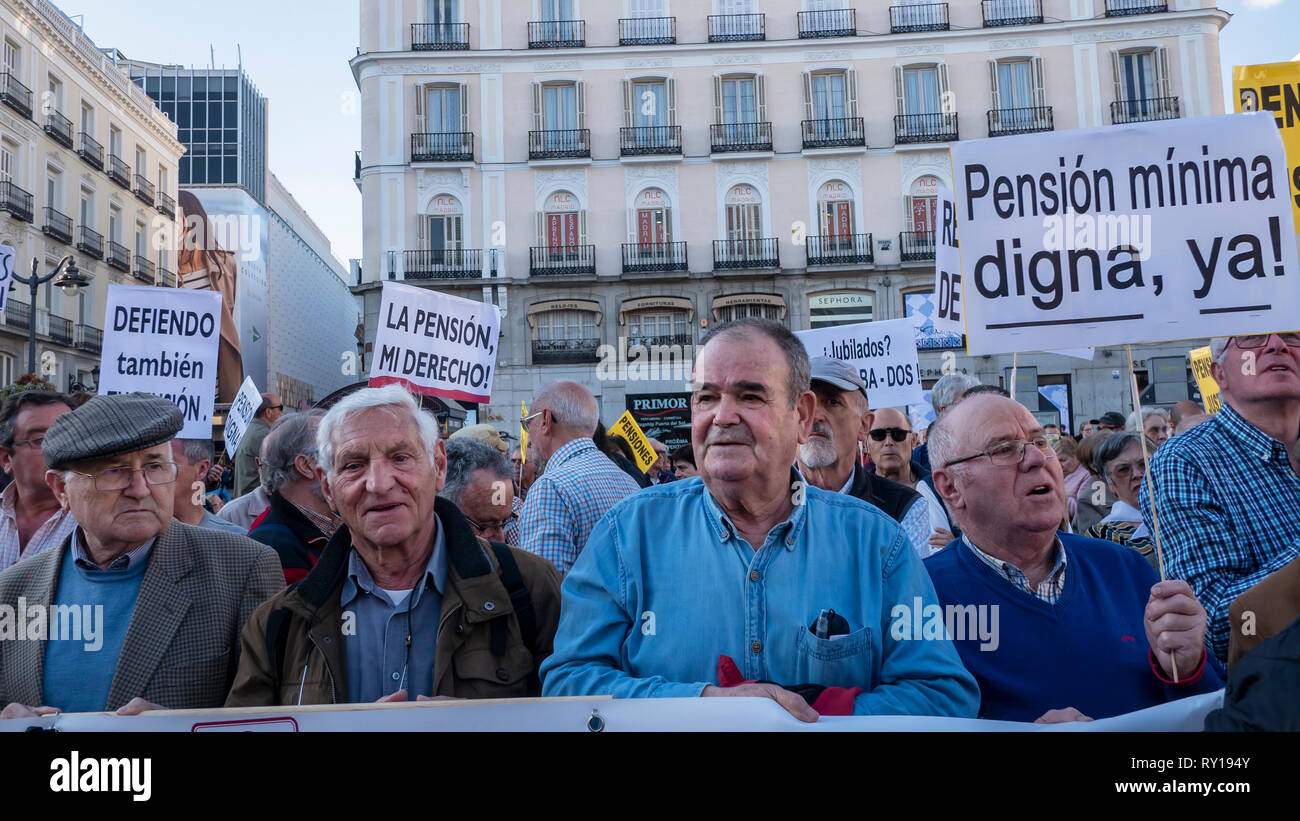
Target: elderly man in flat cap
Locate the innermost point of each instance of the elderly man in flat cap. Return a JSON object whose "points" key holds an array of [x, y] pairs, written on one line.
{"points": [[137, 610]]}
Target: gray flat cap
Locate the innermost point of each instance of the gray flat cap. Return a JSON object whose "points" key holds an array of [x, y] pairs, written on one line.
{"points": [[838, 373], [109, 426]]}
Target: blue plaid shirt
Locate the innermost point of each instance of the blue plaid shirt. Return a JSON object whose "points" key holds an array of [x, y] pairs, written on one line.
{"points": [[565, 502], [1229, 506]]}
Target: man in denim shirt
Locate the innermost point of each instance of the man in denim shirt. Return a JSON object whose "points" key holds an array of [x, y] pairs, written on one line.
{"points": [[749, 563]]}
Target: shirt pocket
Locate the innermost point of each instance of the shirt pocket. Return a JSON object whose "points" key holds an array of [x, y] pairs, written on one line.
{"points": [[841, 662]]}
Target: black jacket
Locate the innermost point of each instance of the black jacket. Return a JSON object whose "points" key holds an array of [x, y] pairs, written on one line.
{"points": [[891, 497], [294, 537], [1262, 688]]}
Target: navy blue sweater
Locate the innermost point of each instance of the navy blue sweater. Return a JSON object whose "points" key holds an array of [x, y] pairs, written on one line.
{"points": [[1088, 651]]}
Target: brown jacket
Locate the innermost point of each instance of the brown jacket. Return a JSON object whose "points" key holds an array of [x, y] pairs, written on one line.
{"points": [[313, 668], [1272, 604]]}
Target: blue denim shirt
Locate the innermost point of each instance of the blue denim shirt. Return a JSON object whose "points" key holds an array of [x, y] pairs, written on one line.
{"points": [[665, 585]]}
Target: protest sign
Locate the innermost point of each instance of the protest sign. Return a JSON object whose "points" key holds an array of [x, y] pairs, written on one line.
{"points": [[523, 434], [1125, 234], [627, 427], [164, 341], [7, 255], [1210, 397], [241, 414], [435, 344], [883, 352], [947, 268], [1275, 87]]}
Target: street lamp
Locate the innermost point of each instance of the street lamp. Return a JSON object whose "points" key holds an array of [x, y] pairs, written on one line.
{"points": [[71, 281]]}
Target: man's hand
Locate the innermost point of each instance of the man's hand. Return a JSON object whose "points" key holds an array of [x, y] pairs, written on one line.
{"points": [[16, 710], [216, 501], [940, 538], [792, 702], [1175, 625], [136, 706], [400, 695], [1061, 716]]}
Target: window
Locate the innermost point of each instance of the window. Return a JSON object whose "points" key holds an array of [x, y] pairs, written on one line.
{"points": [[557, 10], [140, 161], [115, 141], [744, 217], [830, 99], [559, 114], [86, 209], [566, 327], [1141, 78], [1017, 90], [921, 90], [162, 180], [88, 119], [12, 57], [7, 164], [921, 205], [738, 102], [6, 369], [115, 224], [839, 308], [54, 189], [835, 216], [658, 328], [442, 227], [444, 109], [141, 244], [727, 313], [563, 227], [442, 11], [649, 103], [55, 100], [653, 218]]}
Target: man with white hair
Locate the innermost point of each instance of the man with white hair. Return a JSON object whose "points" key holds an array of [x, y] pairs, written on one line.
{"points": [[1227, 492], [405, 602], [947, 392], [1155, 424], [576, 483], [193, 458]]}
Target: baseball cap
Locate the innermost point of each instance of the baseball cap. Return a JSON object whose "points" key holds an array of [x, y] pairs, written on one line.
{"points": [[838, 373]]}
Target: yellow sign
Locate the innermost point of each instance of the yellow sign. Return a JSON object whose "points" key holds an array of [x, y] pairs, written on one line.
{"points": [[523, 435], [627, 427], [1210, 397], [1275, 87]]}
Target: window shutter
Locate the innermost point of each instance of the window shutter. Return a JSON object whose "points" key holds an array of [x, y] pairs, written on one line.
{"points": [[851, 83], [994, 97], [1161, 60], [629, 118], [541, 229], [808, 113], [1040, 87], [898, 89], [941, 70], [717, 100], [464, 107], [422, 232], [581, 95], [538, 124], [419, 108], [1118, 75], [670, 90], [760, 97], [582, 227]]}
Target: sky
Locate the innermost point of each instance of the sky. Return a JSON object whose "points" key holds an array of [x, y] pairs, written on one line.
{"points": [[297, 52]]}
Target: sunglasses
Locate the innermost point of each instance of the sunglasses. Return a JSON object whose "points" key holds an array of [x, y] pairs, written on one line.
{"points": [[897, 434]]}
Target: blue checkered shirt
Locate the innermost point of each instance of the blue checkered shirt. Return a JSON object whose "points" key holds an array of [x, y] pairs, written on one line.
{"points": [[565, 502], [1229, 507]]}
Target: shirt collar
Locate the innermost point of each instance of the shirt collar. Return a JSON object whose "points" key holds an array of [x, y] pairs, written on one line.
{"points": [[721, 525], [325, 524], [1252, 439], [9, 498], [1009, 569], [359, 579], [126, 561], [569, 450], [848, 483]]}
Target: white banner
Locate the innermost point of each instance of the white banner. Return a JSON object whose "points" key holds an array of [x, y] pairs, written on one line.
{"points": [[7, 255], [947, 267], [1125, 234], [242, 411], [164, 341], [435, 344], [883, 352]]}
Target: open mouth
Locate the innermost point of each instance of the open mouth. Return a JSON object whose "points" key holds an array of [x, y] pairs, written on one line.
{"points": [[1040, 490], [383, 508]]}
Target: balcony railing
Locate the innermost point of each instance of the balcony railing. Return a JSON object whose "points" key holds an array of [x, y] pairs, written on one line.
{"points": [[118, 171], [1012, 12], [740, 137], [57, 225], [1004, 121], [439, 36], [143, 190], [746, 254], [118, 257], [90, 150], [16, 201], [925, 128], [839, 249], [926, 17], [144, 270], [445, 263], [557, 34], [90, 242], [166, 279], [443, 146], [916, 246], [559, 144], [565, 351], [59, 128], [1124, 8], [662, 341], [61, 330], [832, 133], [166, 205], [89, 338], [15, 95], [644, 257], [561, 260], [18, 314], [647, 31], [734, 28], [1144, 110], [828, 23], [650, 139]]}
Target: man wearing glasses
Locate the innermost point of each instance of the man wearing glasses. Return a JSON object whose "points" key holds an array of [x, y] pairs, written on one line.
{"points": [[1227, 492], [31, 520], [141, 611], [245, 461], [479, 483]]}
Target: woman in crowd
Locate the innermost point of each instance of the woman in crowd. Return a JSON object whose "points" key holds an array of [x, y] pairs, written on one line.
{"points": [[1119, 459], [1093, 498], [1076, 475]]}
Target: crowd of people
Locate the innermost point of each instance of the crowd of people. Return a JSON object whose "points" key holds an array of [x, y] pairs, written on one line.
{"points": [[803, 547]]}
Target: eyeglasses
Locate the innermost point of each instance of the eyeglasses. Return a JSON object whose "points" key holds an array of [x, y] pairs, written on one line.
{"points": [[275, 407], [525, 420], [897, 434], [513, 517], [1291, 339], [34, 442], [1010, 452], [155, 473]]}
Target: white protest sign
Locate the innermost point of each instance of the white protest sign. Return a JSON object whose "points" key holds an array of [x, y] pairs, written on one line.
{"points": [[884, 354], [1078, 353], [947, 268], [241, 414], [7, 255], [164, 341], [435, 344], [1125, 234]]}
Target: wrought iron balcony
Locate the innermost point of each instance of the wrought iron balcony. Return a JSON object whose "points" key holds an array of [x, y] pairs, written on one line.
{"points": [[644, 257], [916, 246], [118, 257], [118, 171], [559, 143], [565, 351], [925, 128], [925, 17], [1144, 110], [1004, 121], [734, 28], [1012, 13], [662, 341], [89, 338], [561, 260], [439, 36], [166, 205], [740, 137], [59, 128], [446, 263], [650, 139], [828, 23], [647, 31], [1124, 8], [18, 314], [557, 34], [443, 146], [144, 270], [166, 279], [90, 242], [57, 225], [90, 150], [16, 201], [839, 249], [61, 330], [745, 254], [143, 190], [832, 133], [15, 95]]}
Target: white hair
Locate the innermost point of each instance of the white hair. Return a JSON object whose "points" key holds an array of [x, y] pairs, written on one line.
{"points": [[949, 389], [571, 405], [389, 396], [1218, 347], [1147, 413], [941, 444]]}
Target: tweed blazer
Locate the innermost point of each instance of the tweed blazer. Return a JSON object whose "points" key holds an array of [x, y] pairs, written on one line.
{"points": [[181, 648]]}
